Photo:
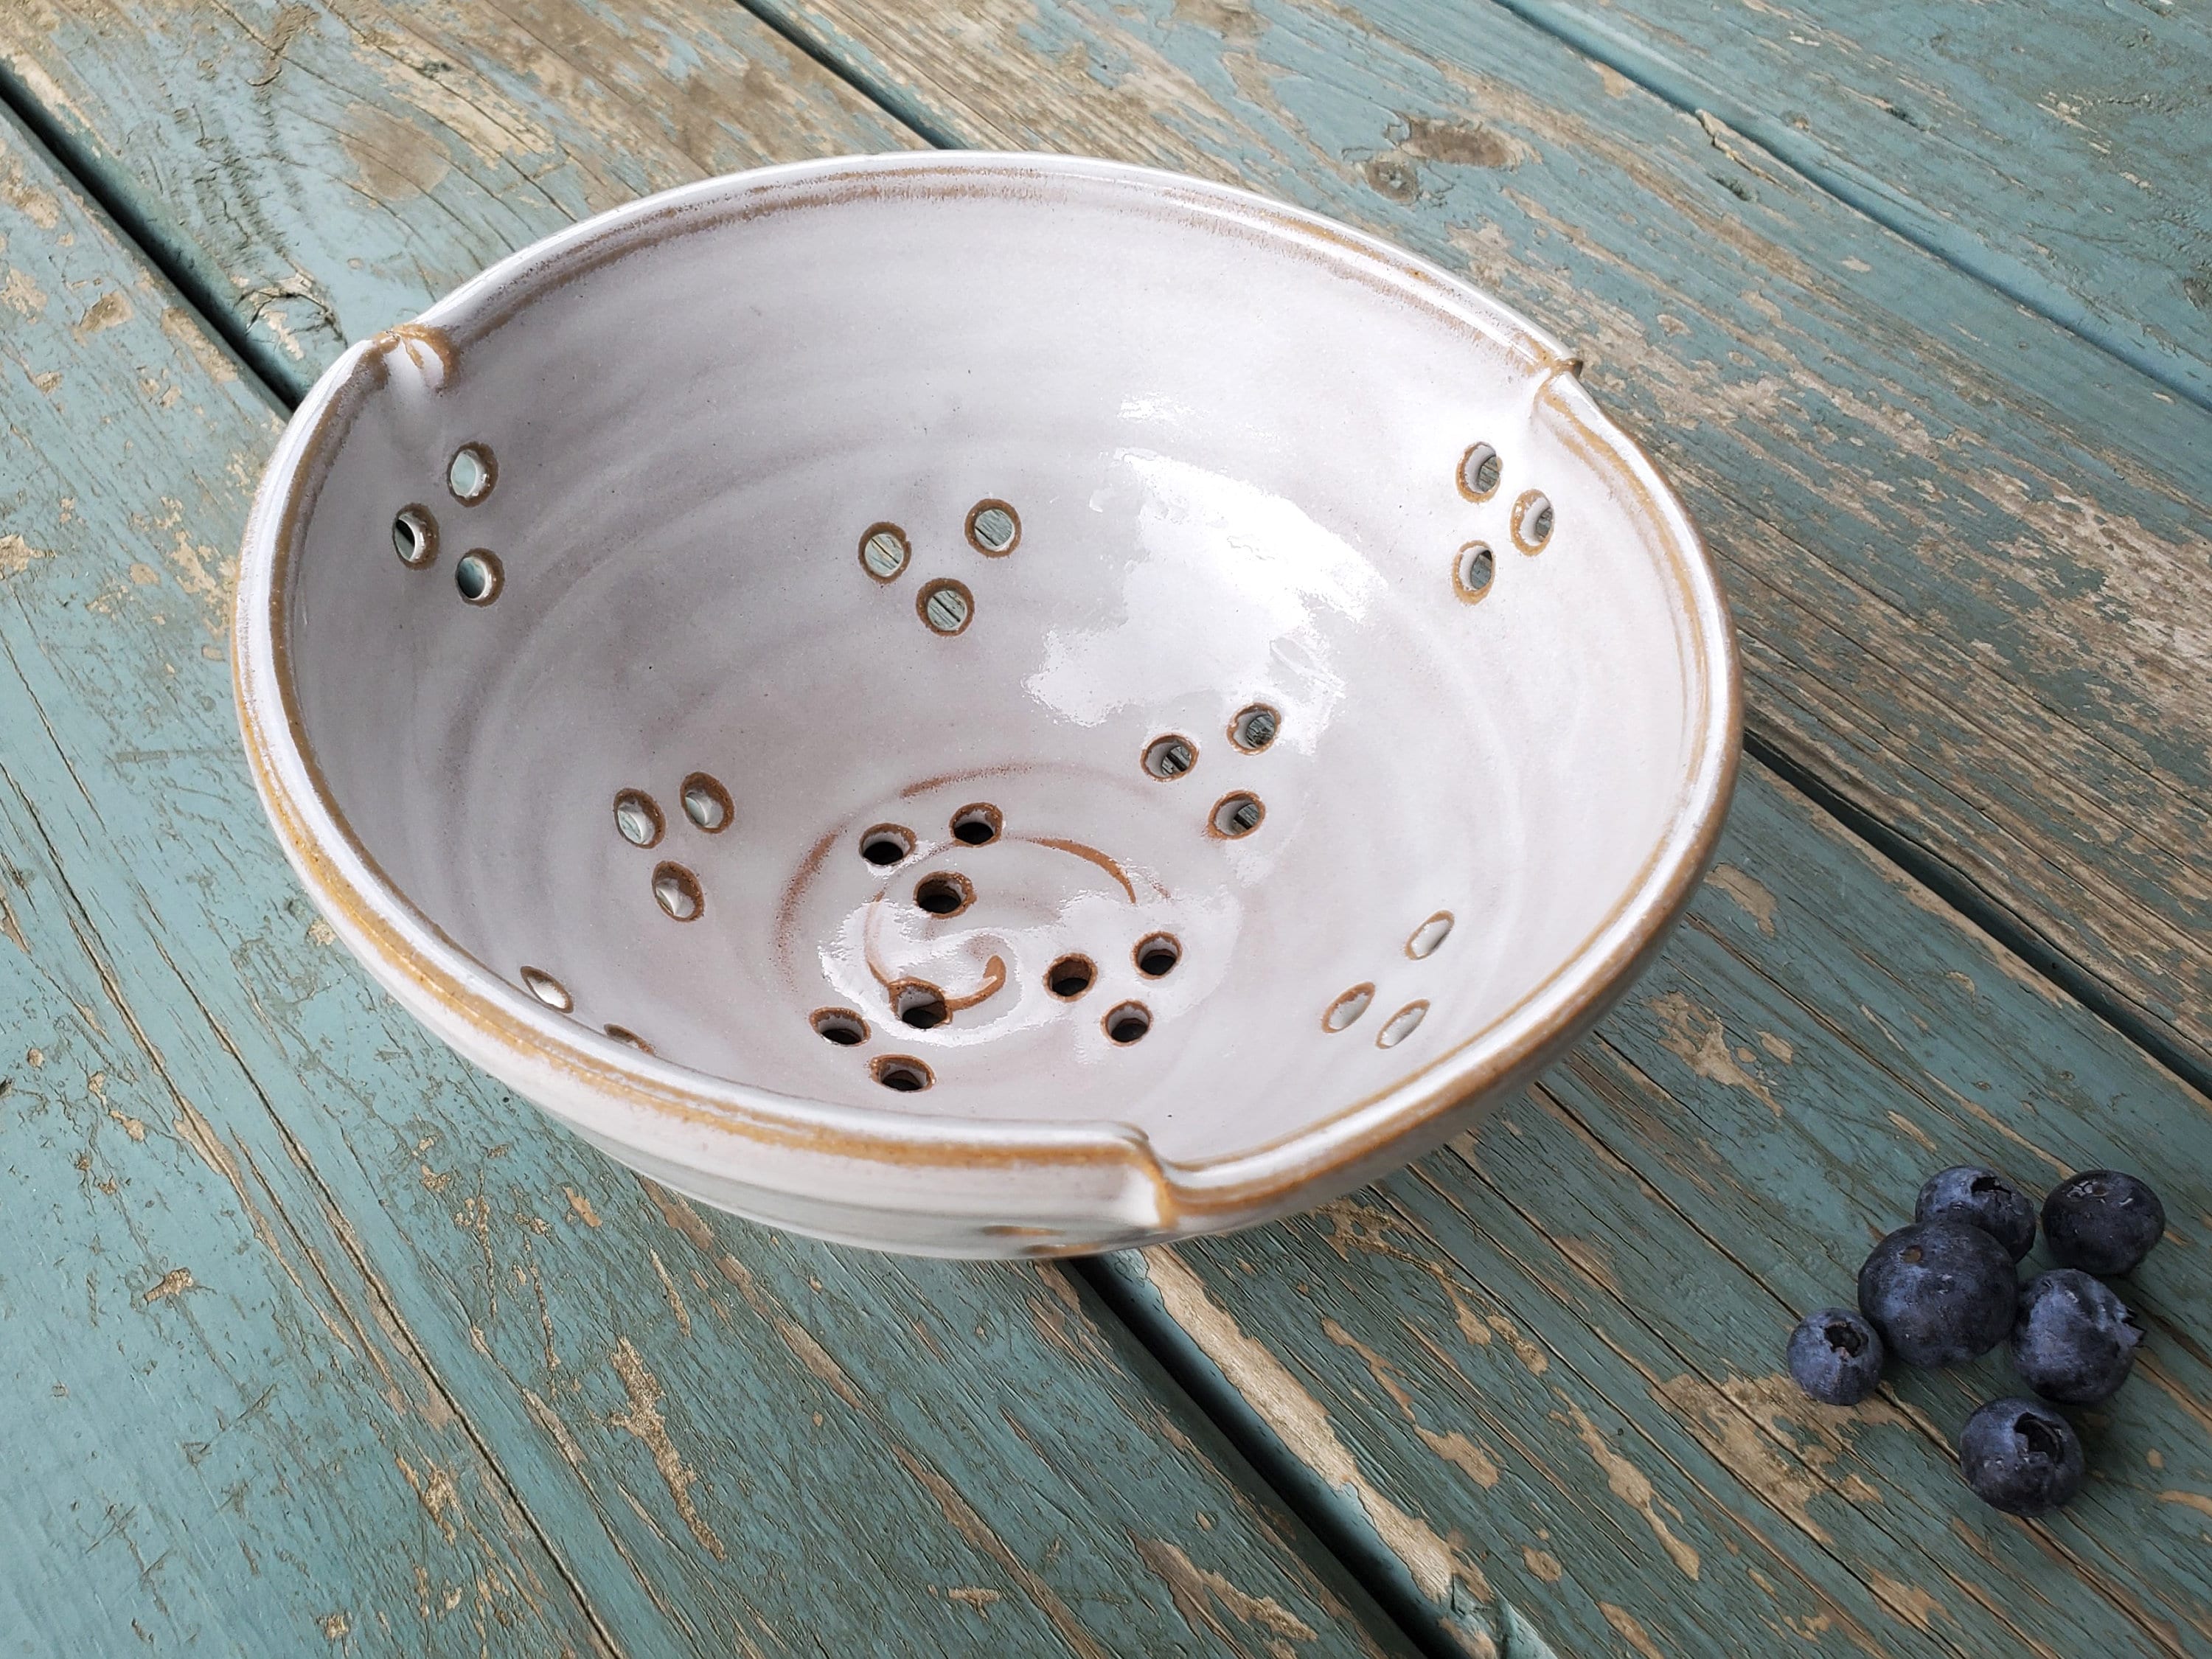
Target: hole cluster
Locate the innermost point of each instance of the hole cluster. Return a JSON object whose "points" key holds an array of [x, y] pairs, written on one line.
{"points": [[1424, 942], [943, 893], [478, 574], [993, 528], [639, 820], [548, 990], [1475, 566]]}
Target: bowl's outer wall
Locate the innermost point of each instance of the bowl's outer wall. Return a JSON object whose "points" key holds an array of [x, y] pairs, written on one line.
{"points": [[858, 1174]]}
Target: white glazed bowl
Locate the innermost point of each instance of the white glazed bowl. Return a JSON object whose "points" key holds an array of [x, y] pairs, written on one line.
{"points": [[899, 508]]}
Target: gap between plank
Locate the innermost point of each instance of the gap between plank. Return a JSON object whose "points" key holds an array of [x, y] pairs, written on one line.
{"points": [[279, 384], [1961, 893], [1122, 1282]]}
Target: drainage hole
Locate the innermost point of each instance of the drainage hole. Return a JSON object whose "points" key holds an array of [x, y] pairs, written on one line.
{"points": [[1126, 1023], [548, 990], [978, 825], [1474, 569], [886, 844], [1479, 470], [993, 528], [1170, 757], [1402, 1025], [413, 536], [946, 606], [1158, 956], [1070, 977], [1531, 520], [919, 1004], [469, 475], [902, 1072], [885, 551], [637, 818], [478, 575], [677, 890], [706, 803], [1429, 935], [623, 1034], [1237, 815], [841, 1026], [1347, 1007], [947, 895], [1255, 728]]}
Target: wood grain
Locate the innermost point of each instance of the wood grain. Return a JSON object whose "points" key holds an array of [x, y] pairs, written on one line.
{"points": [[1547, 1365], [1966, 550], [315, 1338], [2057, 153]]}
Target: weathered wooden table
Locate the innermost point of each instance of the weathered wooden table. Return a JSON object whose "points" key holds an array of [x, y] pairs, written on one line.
{"points": [[313, 1338]]}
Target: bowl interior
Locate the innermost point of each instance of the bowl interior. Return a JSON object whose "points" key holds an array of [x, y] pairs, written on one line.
{"points": [[1053, 651]]}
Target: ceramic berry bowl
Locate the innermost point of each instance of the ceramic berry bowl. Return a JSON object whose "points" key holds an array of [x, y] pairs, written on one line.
{"points": [[984, 705]]}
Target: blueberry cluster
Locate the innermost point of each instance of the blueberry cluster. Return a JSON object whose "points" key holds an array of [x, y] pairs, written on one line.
{"points": [[1947, 1289]]}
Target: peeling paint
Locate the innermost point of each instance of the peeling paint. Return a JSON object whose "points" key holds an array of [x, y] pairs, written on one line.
{"points": [[1700, 1041], [644, 1421], [1300, 1419], [1634, 1487]]}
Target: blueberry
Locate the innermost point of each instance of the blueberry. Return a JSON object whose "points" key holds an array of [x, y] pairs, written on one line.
{"points": [[1981, 1198], [2072, 1338], [2021, 1456], [2102, 1221], [1939, 1293], [1835, 1356]]}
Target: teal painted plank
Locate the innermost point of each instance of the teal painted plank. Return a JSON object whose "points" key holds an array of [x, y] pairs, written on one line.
{"points": [[316, 1337], [1549, 1360], [2057, 151], [251, 141]]}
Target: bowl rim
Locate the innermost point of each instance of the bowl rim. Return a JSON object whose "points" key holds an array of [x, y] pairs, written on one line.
{"points": [[503, 1028]]}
